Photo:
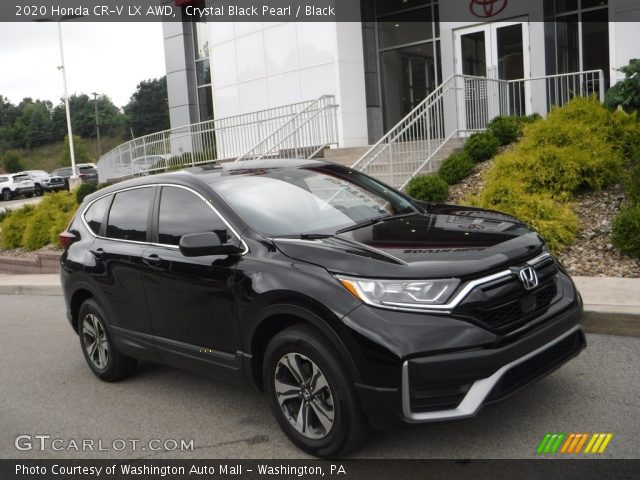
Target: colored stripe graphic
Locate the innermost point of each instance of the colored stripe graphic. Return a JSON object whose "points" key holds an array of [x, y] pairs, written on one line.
{"points": [[573, 443]]}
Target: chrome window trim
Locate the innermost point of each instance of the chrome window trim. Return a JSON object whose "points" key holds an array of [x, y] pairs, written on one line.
{"points": [[478, 392], [448, 307], [165, 245]]}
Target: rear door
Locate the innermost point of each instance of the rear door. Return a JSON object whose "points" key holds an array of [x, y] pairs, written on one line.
{"points": [[191, 300], [117, 255]]}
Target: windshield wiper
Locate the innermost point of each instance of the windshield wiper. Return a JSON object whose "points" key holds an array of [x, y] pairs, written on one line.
{"points": [[373, 221], [307, 236]]}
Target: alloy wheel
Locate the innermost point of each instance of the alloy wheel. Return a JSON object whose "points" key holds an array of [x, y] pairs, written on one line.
{"points": [[304, 396], [95, 341]]}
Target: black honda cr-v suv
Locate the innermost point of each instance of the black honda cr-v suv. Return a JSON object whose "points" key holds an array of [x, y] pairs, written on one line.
{"points": [[349, 303]]}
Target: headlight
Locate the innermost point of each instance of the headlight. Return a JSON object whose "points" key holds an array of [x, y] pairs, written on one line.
{"points": [[401, 293]]}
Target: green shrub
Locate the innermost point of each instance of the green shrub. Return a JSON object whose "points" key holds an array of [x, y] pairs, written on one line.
{"points": [[456, 167], [428, 188], [526, 120], [625, 233], [5, 214], [13, 227], [632, 185], [626, 93], [556, 222], [83, 190], [482, 146], [50, 217], [579, 146], [506, 129]]}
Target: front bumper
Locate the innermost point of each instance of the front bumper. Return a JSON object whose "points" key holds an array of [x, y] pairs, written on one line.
{"points": [[23, 191], [509, 378], [449, 386], [54, 187]]}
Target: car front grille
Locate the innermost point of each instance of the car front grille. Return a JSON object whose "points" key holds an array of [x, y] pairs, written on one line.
{"points": [[540, 364], [503, 305]]}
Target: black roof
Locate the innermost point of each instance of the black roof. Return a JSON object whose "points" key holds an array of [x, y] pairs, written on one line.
{"points": [[210, 173]]}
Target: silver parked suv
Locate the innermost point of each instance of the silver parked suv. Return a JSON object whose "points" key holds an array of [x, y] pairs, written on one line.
{"points": [[43, 183], [15, 185]]}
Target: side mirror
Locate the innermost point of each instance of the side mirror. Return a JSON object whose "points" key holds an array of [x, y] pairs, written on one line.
{"points": [[203, 244]]}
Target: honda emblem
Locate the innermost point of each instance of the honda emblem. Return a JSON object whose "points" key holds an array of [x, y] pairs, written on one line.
{"points": [[528, 278]]}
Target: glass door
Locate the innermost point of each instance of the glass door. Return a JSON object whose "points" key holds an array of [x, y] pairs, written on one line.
{"points": [[499, 53]]}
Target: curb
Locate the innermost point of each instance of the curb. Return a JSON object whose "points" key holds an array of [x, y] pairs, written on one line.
{"points": [[610, 323], [49, 290]]}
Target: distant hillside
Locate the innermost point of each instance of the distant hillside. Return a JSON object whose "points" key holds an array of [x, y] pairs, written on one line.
{"points": [[49, 157]]}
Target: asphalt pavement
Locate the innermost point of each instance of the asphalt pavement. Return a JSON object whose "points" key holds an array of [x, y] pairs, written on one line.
{"points": [[47, 389], [18, 203]]}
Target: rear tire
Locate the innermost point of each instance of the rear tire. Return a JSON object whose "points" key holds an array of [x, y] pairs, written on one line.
{"points": [[98, 347], [311, 393], [6, 195]]}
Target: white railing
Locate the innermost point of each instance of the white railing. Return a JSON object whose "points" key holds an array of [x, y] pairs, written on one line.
{"points": [[461, 105], [204, 142], [303, 136], [540, 94]]}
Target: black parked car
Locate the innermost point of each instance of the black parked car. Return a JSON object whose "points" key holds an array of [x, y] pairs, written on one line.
{"points": [[349, 303], [86, 172]]}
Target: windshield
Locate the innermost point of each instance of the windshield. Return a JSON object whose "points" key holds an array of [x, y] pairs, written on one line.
{"points": [[296, 201], [21, 178]]}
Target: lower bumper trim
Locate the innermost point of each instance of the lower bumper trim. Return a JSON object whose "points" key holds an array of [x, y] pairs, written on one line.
{"points": [[481, 390]]}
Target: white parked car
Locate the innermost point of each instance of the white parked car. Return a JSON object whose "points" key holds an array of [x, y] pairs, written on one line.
{"points": [[16, 185]]}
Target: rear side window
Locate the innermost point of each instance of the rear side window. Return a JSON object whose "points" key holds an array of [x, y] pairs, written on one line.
{"points": [[94, 216], [183, 213], [128, 215]]}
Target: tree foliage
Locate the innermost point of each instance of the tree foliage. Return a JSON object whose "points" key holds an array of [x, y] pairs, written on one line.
{"points": [[79, 148], [12, 162], [148, 109], [33, 123]]}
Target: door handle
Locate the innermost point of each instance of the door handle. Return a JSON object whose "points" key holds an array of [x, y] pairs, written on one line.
{"points": [[152, 260], [98, 252]]}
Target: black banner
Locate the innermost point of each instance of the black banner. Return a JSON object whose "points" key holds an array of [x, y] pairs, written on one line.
{"points": [[157, 469], [294, 11]]}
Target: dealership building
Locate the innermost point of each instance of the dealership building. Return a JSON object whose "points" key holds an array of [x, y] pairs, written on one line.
{"points": [[380, 69]]}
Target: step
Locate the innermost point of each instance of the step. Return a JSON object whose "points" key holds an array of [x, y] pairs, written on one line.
{"points": [[347, 161], [357, 152]]}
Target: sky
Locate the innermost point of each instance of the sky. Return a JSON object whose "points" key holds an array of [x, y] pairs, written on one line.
{"points": [[107, 58]]}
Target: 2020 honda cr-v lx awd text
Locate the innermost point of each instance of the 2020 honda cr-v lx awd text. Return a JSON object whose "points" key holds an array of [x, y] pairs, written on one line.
{"points": [[349, 303]]}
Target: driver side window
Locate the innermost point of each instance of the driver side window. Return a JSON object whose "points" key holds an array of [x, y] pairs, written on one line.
{"points": [[184, 213]]}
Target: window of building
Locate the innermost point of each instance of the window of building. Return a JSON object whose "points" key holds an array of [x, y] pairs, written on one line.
{"points": [[409, 51], [129, 213], [201, 53], [580, 36], [183, 213]]}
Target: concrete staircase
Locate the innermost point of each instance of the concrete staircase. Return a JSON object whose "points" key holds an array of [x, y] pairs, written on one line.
{"points": [[407, 157], [344, 156]]}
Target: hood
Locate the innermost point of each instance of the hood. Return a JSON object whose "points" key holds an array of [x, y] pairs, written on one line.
{"points": [[448, 241]]}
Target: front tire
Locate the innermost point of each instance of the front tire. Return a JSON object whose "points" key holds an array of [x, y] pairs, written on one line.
{"points": [[311, 393], [98, 347], [39, 191]]}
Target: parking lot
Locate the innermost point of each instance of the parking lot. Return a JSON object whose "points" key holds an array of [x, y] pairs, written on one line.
{"points": [[18, 203], [46, 388]]}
